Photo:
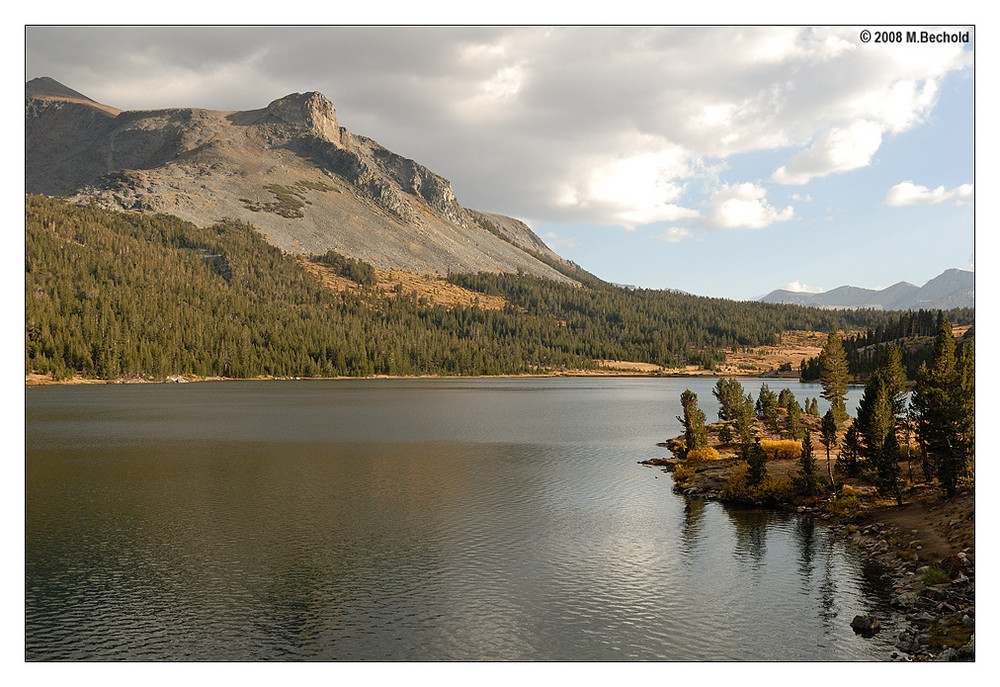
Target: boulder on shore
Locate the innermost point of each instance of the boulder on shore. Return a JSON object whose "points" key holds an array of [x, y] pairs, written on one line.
{"points": [[866, 625]]}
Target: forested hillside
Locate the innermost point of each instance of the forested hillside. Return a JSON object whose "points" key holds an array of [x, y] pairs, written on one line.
{"points": [[663, 327], [110, 295], [912, 332]]}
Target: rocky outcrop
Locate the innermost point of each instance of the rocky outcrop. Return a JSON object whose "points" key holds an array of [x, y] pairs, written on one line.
{"points": [[296, 116], [289, 169]]}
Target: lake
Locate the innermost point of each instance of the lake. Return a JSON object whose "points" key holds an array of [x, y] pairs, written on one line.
{"points": [[415, 519]]}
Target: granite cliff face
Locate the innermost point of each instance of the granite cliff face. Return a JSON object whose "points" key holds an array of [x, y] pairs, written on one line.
{"points": [[289, 169]]}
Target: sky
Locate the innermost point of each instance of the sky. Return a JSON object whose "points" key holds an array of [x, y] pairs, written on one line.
{"points": [[720, 161]]}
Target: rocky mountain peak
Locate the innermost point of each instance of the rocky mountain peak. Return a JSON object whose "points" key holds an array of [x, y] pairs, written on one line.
{"points": [[306, 114], [47, 87]]}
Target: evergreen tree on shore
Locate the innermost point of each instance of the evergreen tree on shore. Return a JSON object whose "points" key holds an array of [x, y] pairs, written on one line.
{"points": [[744, 421], [885, 468], [828, 428], [756, 459], [793, 423], [767, 407], [943, 406], [875, 418], [729, 393], [807, 481], [850, 452], [695, 432], [834, 375]]}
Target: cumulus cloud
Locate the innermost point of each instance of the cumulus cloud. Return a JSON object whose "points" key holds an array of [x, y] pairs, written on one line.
{"points": [[612, 125], [675, 235], [908, 193], [837, 150], [799, 287], [744, 206], [632, 189]]}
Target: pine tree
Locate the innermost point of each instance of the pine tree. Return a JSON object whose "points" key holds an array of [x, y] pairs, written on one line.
{"points": [[695, 432], [885, 468], [744, 421], [807, 481], [967, 395], [943, 405], [834, 375], [729, 393], [829, 439], [875, 418], [850, 451], [767, 407], [795, 430], [757, 462], [894, 375]]}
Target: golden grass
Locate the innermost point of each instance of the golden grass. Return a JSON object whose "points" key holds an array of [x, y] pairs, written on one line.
{"points": [[777, 449], [700, 454], [436, 290]]}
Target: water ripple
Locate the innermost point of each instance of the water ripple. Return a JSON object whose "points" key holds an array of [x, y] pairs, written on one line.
{"points": [[354, 544]]}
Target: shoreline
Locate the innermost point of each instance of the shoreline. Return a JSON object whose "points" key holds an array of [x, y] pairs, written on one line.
{"points": [[33, 380], [934, 618]]}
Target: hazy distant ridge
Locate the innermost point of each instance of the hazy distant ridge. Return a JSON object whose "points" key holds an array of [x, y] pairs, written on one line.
{"points": [[952, 288]]}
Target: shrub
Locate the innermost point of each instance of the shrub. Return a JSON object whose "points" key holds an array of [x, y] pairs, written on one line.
{"points": [[683, 474], [845, 504], [736, 488], [700, 454], [784, 448], [935, 575], [951, 633], [725, 434], [772, 490]]}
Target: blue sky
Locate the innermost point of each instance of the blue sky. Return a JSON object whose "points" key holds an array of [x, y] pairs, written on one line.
{"points": [[721, 161], [843, 230]]}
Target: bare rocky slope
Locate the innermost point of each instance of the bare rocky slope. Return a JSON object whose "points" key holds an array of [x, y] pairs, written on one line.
{"points": [[289, 169]]}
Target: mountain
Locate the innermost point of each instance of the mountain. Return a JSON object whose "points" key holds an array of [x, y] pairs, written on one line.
{"points": [[951, 289], [289, 169]]}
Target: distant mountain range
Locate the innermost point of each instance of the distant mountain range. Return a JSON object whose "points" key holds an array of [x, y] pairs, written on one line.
{"points": [[951, 289]]}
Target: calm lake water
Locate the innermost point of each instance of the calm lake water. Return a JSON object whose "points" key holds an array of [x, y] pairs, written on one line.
{"points": [[480, 519]]}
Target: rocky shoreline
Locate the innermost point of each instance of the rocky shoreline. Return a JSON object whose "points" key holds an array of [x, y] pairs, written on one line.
{"points": [[932, 583], [937, 621]]}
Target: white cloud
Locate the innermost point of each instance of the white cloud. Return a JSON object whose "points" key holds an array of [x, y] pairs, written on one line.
{"points": [[837, 150], [553, 241], [908, 193], [494, 97], [744, 206], [675, 235], [631, 189], [799, 287], [965, 194]]}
